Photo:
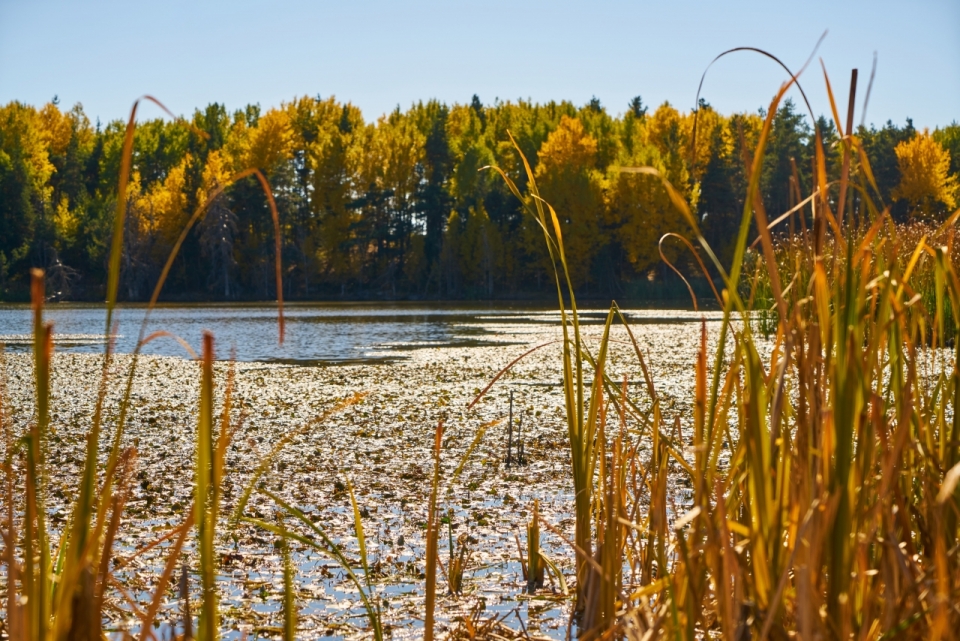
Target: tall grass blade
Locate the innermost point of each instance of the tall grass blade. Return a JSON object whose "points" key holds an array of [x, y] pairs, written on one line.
{"points": [[433, 533], [205, 500]]}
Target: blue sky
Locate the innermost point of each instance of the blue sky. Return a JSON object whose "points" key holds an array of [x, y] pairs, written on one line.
{"points": [[380, 54]]}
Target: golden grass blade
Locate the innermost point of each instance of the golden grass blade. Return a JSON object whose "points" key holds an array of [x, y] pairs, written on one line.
{"points": [[128, 461], [358, 530], [507, 369], [845, 171], [165, 334], [209, 626], [914, 259], [824, 202], [432, 539], [552, 566], [950, 480], [535, 567], [866, 98], [588, 559], [868, 171], [785, 215], [833, 104], [10, 536], [222, 441], [663, 257], [36, 459], [473, 445], [289, 589]]}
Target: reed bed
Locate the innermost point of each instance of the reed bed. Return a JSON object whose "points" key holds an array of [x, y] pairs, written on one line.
{"points": [[821, 464], [836, 515]]}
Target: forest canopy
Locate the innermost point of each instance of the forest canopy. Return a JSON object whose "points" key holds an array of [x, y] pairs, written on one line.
{"points": [[399, 207]]}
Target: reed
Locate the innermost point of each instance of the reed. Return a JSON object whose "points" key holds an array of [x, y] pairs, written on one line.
{"points": [[433, 533], [534, 567], [289, 592], [458, 559]]}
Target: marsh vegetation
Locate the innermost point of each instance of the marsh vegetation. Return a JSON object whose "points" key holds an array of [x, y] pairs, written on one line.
{"points": [[788, 469]]}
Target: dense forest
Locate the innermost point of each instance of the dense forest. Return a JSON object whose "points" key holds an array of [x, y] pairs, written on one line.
{"points": [[399, 208]]}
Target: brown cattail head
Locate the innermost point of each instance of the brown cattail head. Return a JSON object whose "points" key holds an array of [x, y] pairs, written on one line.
{"points": [[37, 290], [207, 347]]}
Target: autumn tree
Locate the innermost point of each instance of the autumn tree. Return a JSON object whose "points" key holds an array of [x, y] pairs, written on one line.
{"points": [[393, 149], [218, 228], [639, 210], [334, 157], [25, 171], [925, 179], [568, 180], [435, 168], [880, 147]]}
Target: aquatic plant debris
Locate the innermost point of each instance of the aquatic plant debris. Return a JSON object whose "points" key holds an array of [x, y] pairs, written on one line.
{"points": [[382, 446]]}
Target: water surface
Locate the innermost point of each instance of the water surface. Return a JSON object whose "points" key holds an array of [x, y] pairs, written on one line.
{"points": [[316, 333]]}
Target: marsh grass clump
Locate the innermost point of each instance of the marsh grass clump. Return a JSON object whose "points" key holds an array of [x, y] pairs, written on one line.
{"points": [[835, 513]]}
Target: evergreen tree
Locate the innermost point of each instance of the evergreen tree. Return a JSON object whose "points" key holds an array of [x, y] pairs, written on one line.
{"points": [[433, 197], [637, 108], [788, 146], [880, 146], [721, 204]]}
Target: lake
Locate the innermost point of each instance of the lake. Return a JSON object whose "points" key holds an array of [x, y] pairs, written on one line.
{"points": [[316, 333]]}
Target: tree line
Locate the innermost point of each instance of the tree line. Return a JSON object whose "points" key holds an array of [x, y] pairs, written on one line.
{"points": [[401, 207]]}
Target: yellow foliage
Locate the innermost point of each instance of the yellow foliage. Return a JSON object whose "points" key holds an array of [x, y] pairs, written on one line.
{"points": [[216, 172], [393, 149], [568, 181], [463, 128], [669, 132], [270, 142], [56, 129], [925, 181], [708, 122], [642, 212], [479, 248], [568, 148], [163, 207], [21, 134], [236, 147], [331, 136], [638, 206], [469, 153], [66, 221]]}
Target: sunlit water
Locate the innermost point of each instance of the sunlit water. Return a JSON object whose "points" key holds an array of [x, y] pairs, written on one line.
{"points": [[315, 333]]}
